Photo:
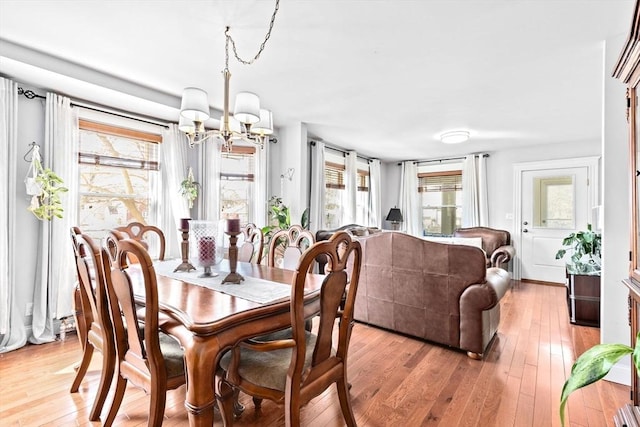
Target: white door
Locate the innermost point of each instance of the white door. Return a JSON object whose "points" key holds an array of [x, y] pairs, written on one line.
{"points": [[555, 203]]}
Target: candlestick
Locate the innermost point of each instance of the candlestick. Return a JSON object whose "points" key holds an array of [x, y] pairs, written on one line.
{"points": [[184, 247], [233, 277]]}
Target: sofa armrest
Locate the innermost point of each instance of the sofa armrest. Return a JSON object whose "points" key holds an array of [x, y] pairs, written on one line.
{"points": [[503, 254], [474, 301]]}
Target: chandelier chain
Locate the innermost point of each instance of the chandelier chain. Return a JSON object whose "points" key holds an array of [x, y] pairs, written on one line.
{"points": [[262, 45]]}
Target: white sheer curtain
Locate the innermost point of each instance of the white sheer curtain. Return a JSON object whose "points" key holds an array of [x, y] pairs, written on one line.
{"points": [[173, 158], [55, 268], [209, 178], [351, 187], [260, 186], [316, 211], [12, 330], [409, 199], [375, 194], [475, 207]]}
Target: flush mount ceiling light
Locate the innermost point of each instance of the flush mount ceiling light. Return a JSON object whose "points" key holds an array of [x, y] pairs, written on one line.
{"points": [[249, 122], [454, 137]]}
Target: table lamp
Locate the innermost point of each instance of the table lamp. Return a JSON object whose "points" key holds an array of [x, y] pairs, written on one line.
{"points": [[395, 217]]}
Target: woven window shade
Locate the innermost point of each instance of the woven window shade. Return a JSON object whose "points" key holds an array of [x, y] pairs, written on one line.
{"points": [[438, 184]]}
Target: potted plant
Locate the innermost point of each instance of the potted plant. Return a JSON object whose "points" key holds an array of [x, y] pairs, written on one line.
{"points": [[585, 247], [583, 276], [280, 220], [189, 188], [45, 189], [593, 365]]}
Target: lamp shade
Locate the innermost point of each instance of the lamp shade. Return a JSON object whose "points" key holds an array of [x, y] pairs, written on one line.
{"points": [[265, 125], [195, 105], [186, 125], [394, 215], [247, 108]]}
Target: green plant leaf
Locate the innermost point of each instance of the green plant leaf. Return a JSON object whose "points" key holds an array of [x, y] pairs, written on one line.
{"points": [[592, 366]]}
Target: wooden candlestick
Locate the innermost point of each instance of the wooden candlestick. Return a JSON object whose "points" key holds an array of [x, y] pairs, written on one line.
{"points": [[184, 246], [233, 277]]}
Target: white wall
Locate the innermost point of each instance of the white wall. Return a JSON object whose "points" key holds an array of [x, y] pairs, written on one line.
{"points": [[615, 199], [292, 152]]}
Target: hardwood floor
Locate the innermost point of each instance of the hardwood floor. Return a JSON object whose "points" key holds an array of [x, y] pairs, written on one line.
{"points": [[396, 380]]}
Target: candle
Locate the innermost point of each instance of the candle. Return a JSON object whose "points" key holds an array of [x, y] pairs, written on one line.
{"points": [[184, 223], [233, 225], [207, 251]]}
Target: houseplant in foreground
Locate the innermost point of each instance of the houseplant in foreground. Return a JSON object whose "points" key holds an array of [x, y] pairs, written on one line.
{"points": [[593, 365]]}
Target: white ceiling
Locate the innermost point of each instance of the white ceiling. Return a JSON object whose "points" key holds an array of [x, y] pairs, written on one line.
{"points": [[383, 77]]}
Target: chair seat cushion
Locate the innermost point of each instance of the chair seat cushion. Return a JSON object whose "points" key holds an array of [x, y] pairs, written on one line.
{"points": [[269, 368], [173, 355]]}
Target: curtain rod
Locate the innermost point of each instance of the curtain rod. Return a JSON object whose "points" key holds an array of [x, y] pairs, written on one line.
{"points": [[29, 94], [485, 155], [340, 150]]}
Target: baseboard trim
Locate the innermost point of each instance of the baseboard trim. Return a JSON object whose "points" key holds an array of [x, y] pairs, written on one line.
{"points": [[620, 373], [541, 282]]}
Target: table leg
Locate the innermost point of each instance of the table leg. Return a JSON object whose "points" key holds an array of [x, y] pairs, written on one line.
{"points": [[200, 366]]}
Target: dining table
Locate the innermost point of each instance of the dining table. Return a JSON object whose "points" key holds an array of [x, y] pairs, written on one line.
{"points": [[208, 318]]}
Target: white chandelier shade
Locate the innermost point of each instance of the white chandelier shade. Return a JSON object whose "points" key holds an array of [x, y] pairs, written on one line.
{"points": [[195, 104], [247, 108]]}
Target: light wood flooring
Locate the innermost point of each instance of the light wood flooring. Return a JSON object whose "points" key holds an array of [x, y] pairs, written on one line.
{"points": [[396, 380]]}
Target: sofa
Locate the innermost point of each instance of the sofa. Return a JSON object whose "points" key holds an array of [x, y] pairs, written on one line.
{"points": [[495, 243], [353, 229], [435, 291]]}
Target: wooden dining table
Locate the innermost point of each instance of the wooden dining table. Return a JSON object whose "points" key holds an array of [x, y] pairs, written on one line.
{"points": [[207, 322]]}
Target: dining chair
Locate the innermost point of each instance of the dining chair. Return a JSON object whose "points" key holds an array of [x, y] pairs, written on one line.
{"points": [[300, 366], [150, 236], [251, 248], [93, 319], [146, 357], [286, 247]]}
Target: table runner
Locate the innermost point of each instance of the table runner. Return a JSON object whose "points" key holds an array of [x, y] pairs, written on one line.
{"points": [[252, 289]]}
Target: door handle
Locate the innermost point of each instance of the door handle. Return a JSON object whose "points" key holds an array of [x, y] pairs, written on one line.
{"points": [[525, 230], [525, 223]]}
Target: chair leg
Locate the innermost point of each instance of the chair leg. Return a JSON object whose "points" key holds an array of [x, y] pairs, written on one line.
{"points": [[106, 378], [291, 411], [82, 368], [474, 356], [238, 408], [257, 403], [121, 385], [345, 402], [156, 407], [225, 397]]}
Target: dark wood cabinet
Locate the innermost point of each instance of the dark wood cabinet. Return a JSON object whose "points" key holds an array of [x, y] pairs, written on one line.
{"points": [[583, 299], [634, 321], [627, 69]]}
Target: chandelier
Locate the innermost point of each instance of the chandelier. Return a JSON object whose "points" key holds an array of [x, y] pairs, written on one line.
{"points": [[248, 123]]}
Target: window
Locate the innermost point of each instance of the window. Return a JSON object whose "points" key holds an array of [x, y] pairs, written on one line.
{"points": [[441, 200], [237, 176], [336, 197], [119, 177], [333, 199], [362, 195]]}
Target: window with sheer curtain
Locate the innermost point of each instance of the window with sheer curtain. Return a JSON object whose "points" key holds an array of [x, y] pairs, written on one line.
{"points": [[441, 201], [237, 183], [119, 177], [335, 196]]}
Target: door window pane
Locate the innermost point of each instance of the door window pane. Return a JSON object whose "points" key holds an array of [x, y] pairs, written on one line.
{"points": [[554, 202]]}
